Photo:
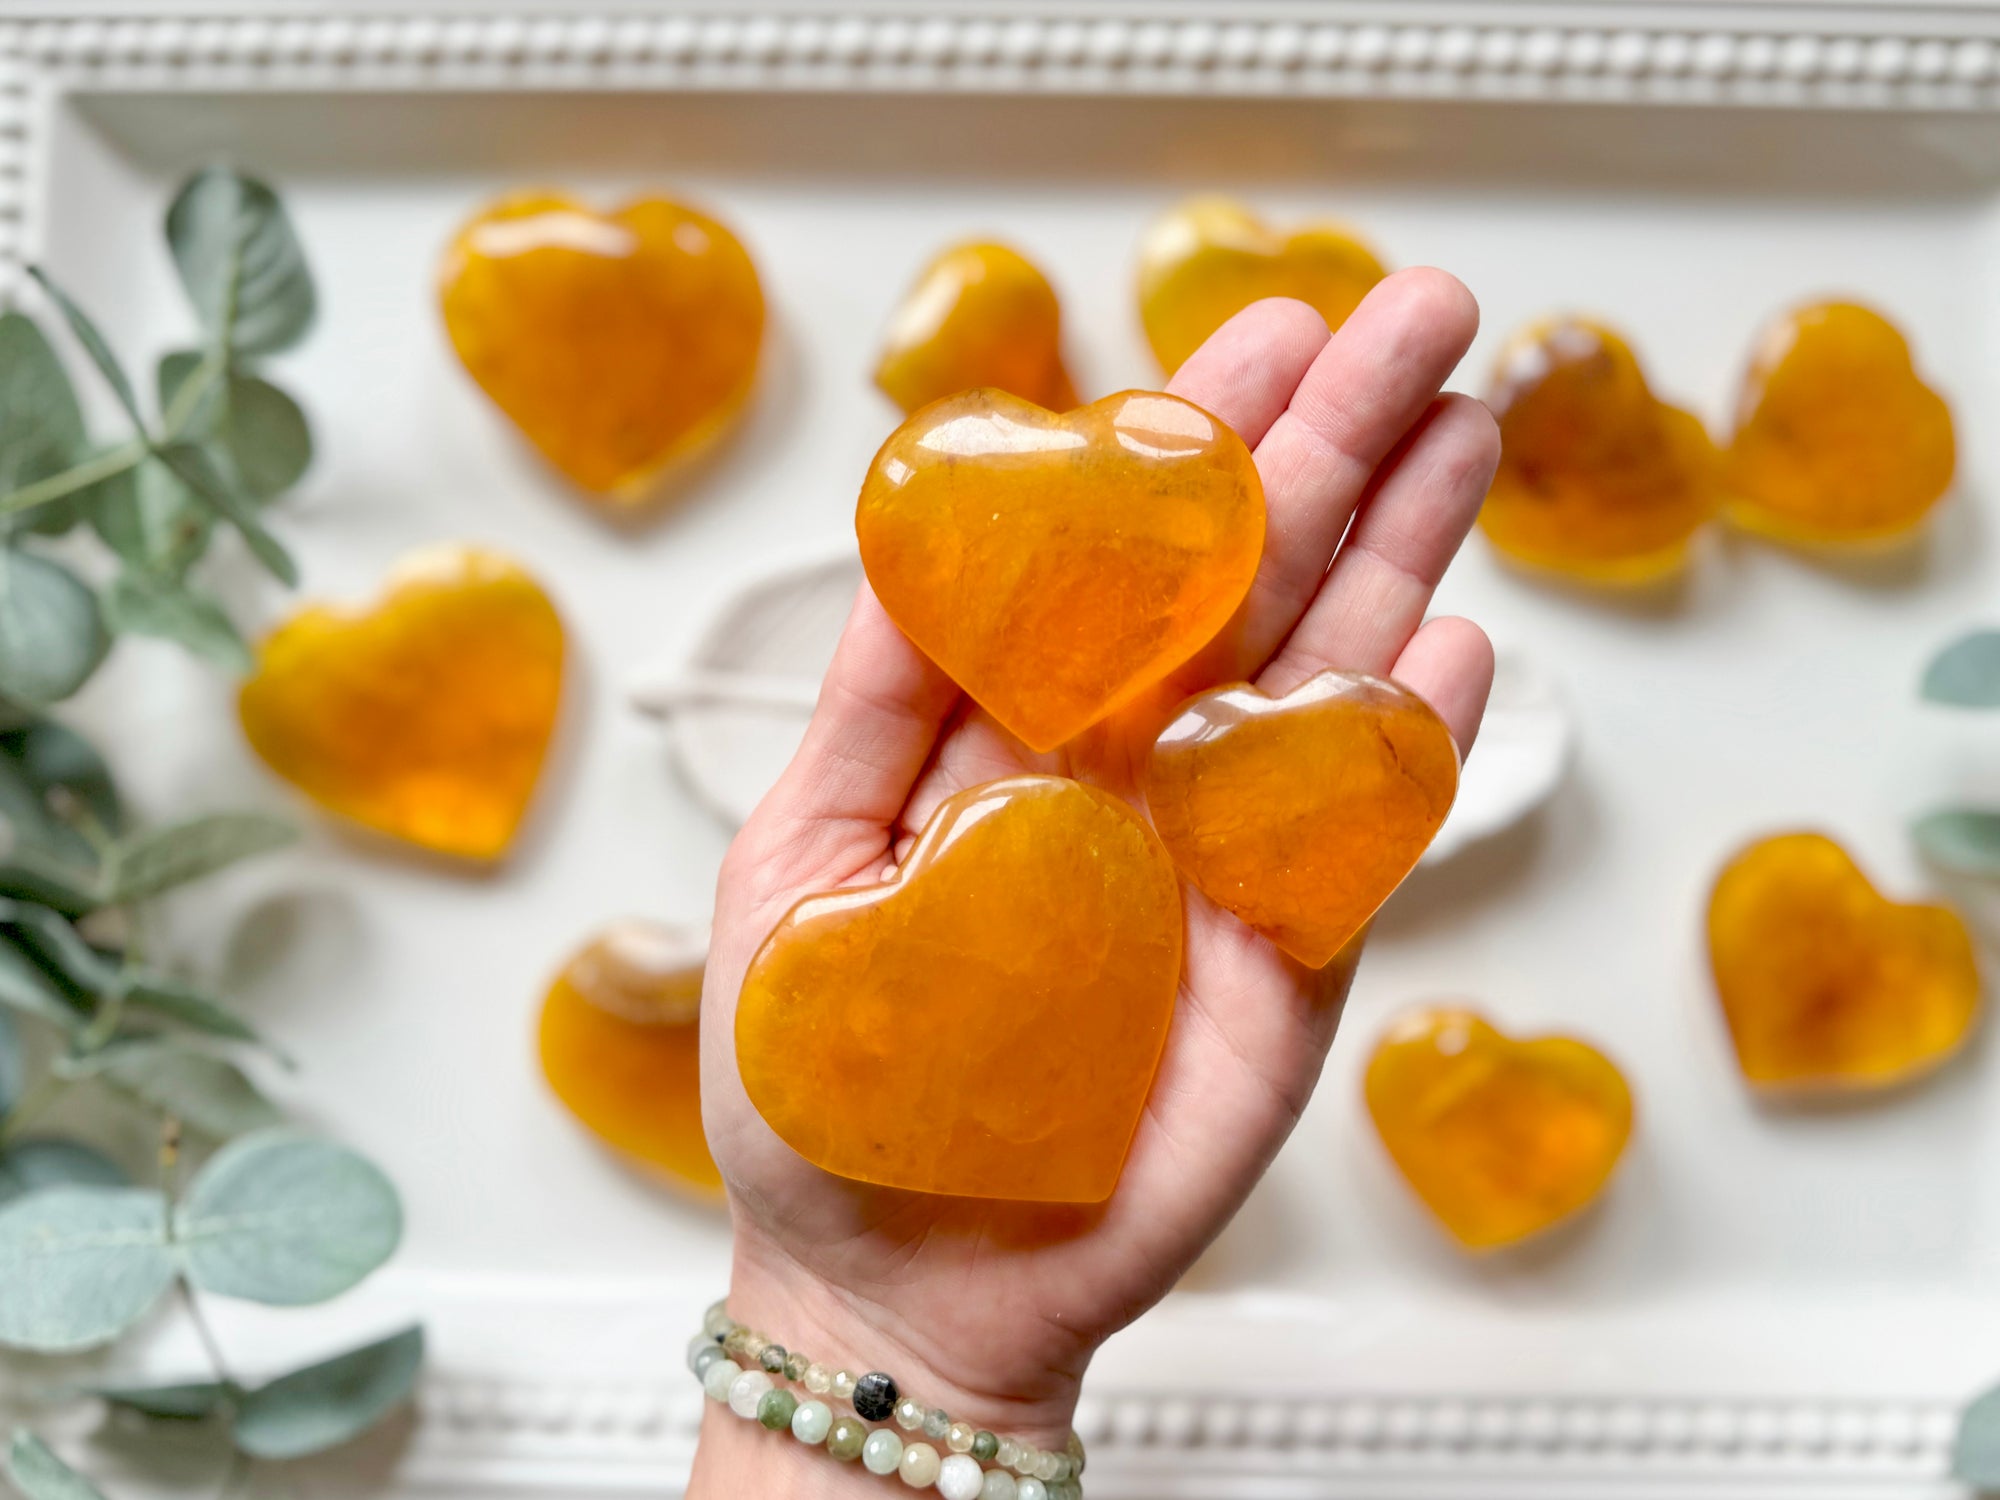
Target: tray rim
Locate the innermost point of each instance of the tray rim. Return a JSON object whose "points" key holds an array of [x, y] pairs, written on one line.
{"points": [[556, 1435]]}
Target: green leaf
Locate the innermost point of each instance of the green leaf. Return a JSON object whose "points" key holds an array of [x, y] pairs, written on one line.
{"points": [[80, 1265], [260, 428], [174, 854], [208, 1094], [286, 1219], [1975, 1453], [332, 1402], [26, 988], [51, 635], [1966, 674], [170, 378], [47, 1161], [152, 521], [198, 469], [93, 345], [193, 1401], [41, 425], [182, 1002], [240, 261], [13, 1064], [39, 1475], [58, 950], [156, 605], [1962, 839], [39, 761]]}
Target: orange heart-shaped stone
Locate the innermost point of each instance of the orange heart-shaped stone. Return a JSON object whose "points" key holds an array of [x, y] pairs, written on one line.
{"points": [[620, 1046], [1207, 260], [1838, 439], [985, 1023], [424, 717], [1499, 1138], [1824, 983], [1598, 477], [619, 343], [1056, 566], [981, 314], [1302, 814]]}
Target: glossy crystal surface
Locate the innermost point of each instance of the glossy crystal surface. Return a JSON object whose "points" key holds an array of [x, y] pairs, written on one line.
{"points": [[1598, 478], [986, 1023], [1209, 258], [1824, 983], [1055, 565], [424, 717], [619, 343], [1838, 439], [1499, 1138], [981, 314], [620, 1046], [1302, 814]]}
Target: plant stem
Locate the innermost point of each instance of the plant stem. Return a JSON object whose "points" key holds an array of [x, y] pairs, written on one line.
{"points": [[188, 398], [91, 471], [203, 1332]]}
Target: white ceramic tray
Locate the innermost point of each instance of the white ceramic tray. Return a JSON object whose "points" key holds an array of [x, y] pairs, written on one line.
{"points": [[1766, 1303]]}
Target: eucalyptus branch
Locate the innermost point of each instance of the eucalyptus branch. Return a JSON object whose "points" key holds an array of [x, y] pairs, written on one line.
{"points": [[106, 465]]}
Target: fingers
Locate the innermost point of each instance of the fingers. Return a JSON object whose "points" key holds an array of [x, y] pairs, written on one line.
{"points": [[1372, 381], [1249, 367], [1449, 664], [1404, 537]]}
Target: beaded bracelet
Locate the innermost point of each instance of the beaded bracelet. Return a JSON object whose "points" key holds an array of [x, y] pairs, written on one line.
{"points": [[753, 1393]]}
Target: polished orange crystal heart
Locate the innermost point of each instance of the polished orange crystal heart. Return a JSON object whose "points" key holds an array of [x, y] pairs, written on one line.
{"points": [[1208, 259], [981, 314], [1302, 814], [424, 717], [986, 1022], [1499, 1138], [1057, 565], [1838, 439], [621, 344], [620, 1046], [1824, 983], [1598, 478]]}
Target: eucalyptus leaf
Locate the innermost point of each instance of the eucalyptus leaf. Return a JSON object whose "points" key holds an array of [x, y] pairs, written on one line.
{"points": [[198, 468], [286, 1219], [260, 428], [1966, 674], [33, 876], [58, 950], [41, 760], [332, 1402], [173, 854], [1961, 839], [1975, 1452], [39, 1475], [93, 345], [191, 1401], [242, 265], [154, 522], [152, 604], [51, 634], [41, 425], [80, 1265], [13, 1064], [26, 988], [170, 380], [48, 1161], [210, 1095], [178, 1001]]}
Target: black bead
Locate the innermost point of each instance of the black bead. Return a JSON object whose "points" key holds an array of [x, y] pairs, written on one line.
{"points": [[874, 1397]]}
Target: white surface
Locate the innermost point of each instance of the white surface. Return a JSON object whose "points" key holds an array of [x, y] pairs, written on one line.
{"points": [[1744, 1254]]}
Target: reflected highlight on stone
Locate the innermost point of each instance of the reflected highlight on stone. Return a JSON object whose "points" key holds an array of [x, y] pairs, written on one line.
{"points": [[981, 314], [620, 1045], [1824, 983], [424, 717], [985, 1024], [1500, 1139], [1598, 478], [621, 344], [1057, 565], [1302, 814]]}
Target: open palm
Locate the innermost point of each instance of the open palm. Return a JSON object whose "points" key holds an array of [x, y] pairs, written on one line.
{"points": [[993, 1309]]}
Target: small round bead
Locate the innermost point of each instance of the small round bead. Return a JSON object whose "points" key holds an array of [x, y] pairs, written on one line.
{"points": [[709, 1357], [1047, 1466], [1024, 1461], [875, 1398], [997, 1485], [819, 1379], [773, 1359], [699, 1345], [716, 1321], [909, 1414], [746, 1391], [1008, 1453], [1030, 1488], [959, 1478], [985, 1446], [843, 1385], [775, 1409], [719, 1377], [882, 1452], [812, 1421], [845, 1438], [795, 1365], [958, 1437], [920, 1465], [936, 1423], [746, 1341]]}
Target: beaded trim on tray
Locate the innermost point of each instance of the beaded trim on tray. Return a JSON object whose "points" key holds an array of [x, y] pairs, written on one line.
{"points": [[739, 1367]]}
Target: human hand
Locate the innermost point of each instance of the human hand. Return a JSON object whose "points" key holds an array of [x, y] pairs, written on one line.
{"points": [[992, 1310]]}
